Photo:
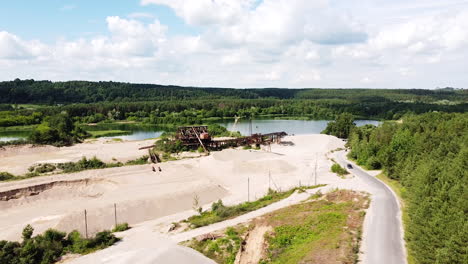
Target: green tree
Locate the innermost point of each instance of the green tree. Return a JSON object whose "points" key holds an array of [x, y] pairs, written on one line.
{"points": [[341, 127]]}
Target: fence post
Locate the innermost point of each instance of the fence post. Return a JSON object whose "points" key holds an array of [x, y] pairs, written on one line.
{"points": [[86, 223], [248, 189], [115, 214]]}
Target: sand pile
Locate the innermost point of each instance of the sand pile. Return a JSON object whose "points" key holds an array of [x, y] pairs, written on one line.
{"points": [[142, 195]]}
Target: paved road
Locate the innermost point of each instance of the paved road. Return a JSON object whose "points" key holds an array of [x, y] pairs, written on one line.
{"points": [[382, 243]]}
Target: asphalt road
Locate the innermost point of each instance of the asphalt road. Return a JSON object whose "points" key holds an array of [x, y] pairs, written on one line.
{"points": [[382, 242]]}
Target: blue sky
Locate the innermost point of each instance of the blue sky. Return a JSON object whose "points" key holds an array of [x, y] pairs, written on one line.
{"points": [[238, 43], [51, 19]]}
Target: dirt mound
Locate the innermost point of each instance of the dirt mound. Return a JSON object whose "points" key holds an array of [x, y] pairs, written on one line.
{"points": [[86, 187]]}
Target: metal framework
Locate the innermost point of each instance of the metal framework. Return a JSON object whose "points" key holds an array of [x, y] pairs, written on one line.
{"points": [[195, 136]]}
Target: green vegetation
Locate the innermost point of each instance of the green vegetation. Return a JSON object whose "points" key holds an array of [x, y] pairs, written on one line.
{"points": [[428, 155], [336, 168], [219, 212], [341, 127], [140, 161], [325, 230], [224, 249], [42, 168], [57, 130], [314, 232], [86, 164], [121, 227], [70, 167], [50, 246], [5, 176]]}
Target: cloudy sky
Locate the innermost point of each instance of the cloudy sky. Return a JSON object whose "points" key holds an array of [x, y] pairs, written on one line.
{"points": [[238, 43]]}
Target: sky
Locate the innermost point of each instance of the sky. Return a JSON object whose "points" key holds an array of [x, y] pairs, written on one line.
{"points": [[238, 43]]}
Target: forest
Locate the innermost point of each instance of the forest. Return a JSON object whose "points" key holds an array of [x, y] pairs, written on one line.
{"points": [[428, 155], [91, 102]]}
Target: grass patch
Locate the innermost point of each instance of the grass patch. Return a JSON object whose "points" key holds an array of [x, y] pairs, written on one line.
{"points": [[108, 133], [336, 168], [223, 249], [140, 161], [323, 231], [121, 227], [219, 212]]}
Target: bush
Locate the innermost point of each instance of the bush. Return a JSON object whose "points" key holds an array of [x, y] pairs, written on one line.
{"points": [[336, 168], [121, 227], [140, 161], [5, 176], [50, 246], [83, 164], [44, 168]]}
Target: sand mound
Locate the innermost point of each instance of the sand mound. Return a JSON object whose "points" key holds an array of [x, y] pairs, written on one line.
{"points": [[241, 155], [263, 166], [60, 189]]}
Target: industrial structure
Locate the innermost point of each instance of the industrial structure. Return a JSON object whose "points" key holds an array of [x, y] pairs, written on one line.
{"points": [[198, 136]]}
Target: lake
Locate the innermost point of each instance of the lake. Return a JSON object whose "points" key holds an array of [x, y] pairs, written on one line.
{"points": [[141, 132]]}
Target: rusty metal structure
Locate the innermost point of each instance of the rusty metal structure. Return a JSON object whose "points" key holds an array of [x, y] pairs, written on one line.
{"points": [[196, 136]]}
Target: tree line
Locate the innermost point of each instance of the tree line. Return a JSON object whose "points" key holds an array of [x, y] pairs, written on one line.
{"points": [[428, 155]]}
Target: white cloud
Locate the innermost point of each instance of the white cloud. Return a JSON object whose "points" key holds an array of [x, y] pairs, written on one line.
{"points": [[249, 43], [12, 47]]}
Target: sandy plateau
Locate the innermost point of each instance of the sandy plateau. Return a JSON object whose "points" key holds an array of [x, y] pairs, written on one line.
{"points": [[151, 201]]}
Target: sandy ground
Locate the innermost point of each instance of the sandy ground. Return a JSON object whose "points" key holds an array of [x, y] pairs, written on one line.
{"points": [[17, 159], [152, 201]]}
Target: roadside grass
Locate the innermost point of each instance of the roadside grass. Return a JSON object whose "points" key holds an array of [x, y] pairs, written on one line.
{"points": [[108, 133], [223, 249], [219, 212], [325, 230], [400, 191], [121, 227], [340, 171]]}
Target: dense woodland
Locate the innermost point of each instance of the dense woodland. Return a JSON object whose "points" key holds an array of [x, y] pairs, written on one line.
{"points": [[90, 102], [428, 155]]}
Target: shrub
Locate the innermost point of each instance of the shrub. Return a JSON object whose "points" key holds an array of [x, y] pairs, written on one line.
{"points": [[44, 168], [336, 168], [5, 176], [140, 161], [121, 227]]}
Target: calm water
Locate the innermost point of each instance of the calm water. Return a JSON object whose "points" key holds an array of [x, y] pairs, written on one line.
{"points": [[6, 136], [296, 127], [140, 132]]}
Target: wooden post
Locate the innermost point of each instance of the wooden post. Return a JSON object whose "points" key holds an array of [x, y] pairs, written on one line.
{"points": [[86, 223], [248, 189], [115, 214], [269, 180]]}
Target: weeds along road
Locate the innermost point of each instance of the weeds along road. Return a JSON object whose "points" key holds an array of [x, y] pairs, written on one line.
{"points": [[382, 238]]}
